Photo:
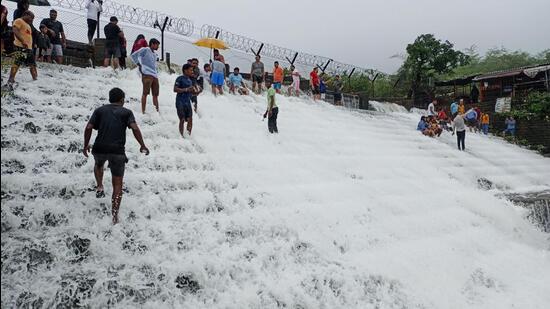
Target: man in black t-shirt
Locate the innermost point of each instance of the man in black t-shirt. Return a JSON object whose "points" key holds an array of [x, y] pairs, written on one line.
{"points": [[111, 122], [113, 37], [57, 37]]}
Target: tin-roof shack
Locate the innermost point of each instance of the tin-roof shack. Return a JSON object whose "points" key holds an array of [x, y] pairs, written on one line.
{"points": [[514, 83]]}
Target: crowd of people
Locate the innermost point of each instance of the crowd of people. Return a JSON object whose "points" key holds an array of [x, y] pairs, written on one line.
{"points": [[460, 119], [112, 120]]}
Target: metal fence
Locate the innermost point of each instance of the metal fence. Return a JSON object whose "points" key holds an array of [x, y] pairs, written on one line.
{"points": [[179, 35]]}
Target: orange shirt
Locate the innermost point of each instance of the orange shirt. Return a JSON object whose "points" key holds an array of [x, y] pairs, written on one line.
{"points": [[25, 32], [485, 119], [278, 75], [461, 109]]}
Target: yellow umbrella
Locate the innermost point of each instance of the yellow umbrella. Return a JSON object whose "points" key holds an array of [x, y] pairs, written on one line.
{"points": [[211, 43]]}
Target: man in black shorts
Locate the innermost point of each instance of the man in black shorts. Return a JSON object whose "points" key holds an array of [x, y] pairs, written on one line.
{"points": [[111, 121], [113, 37]]}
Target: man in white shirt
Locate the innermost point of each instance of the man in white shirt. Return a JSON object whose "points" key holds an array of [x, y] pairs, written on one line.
{"points": [[459, 127], [94, 8], [431, 108]]}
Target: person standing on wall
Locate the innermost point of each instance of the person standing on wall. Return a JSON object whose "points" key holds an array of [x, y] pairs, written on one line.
{"points": [[278, 76], [57, 37], [338, 86], [257, 74], [295, 81], [113, 36], [314, 83], [146, 60], [93, 7]]}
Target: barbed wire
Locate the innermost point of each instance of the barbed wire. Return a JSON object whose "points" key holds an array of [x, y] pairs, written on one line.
{"points": [[246, 44], [133, 15], [185, 27]]}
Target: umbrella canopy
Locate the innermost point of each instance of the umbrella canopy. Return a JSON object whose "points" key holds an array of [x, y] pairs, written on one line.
{"points": [[36, 2], [211, 43]]}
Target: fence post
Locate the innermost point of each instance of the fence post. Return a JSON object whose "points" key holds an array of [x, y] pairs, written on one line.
{"points": [[162, 28], [168, 63]]}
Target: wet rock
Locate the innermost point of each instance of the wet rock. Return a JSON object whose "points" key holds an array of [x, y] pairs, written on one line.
{"points": [[53, 129], [12, 166], [66, 194], [74, 291], [74, 147], [6, 144], [134, 246], [6, 196], [32, 128], [187, 284], [28, 300], [80, 247], [37, 257], [53, 220], [484, 183]]}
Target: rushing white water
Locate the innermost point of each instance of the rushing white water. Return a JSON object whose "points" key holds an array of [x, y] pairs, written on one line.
{"points": [[339, 210], [387, 107]]}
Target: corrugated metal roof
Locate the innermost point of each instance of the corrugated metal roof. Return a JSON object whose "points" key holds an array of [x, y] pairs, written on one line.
{"points": [[507, 73]]}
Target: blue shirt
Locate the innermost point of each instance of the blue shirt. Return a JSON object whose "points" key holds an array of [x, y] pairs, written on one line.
{"points": [[471, 115], [236, 79], [454, 108], [322, 87], [183, 98], [147, 58], [421, 126]]}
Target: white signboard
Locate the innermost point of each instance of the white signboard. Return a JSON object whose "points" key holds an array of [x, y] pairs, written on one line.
{"points": [[503, 105]]}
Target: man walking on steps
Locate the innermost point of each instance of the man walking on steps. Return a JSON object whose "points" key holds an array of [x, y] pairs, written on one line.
{"points": [[146, 60], [185, 90], [111, 121], [272, 109]]}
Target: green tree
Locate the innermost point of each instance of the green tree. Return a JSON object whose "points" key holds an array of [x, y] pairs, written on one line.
{"points": [[428, 57]]}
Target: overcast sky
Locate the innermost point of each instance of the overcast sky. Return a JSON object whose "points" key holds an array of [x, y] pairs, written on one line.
{"points": [[365, 32]]}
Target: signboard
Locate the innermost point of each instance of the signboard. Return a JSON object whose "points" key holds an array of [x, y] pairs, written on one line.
{"points": [[503, 105]]}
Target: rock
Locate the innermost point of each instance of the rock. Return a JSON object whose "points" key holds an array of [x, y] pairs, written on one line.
{"points": [[187, 284], [37, 257], [32, 128], [484, 183]]}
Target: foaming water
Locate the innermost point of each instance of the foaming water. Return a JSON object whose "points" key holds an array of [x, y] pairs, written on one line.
{"points": [[339, 210]]}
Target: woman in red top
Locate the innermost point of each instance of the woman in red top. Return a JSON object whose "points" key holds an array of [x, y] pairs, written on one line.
{"points": [[139, 43]]}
